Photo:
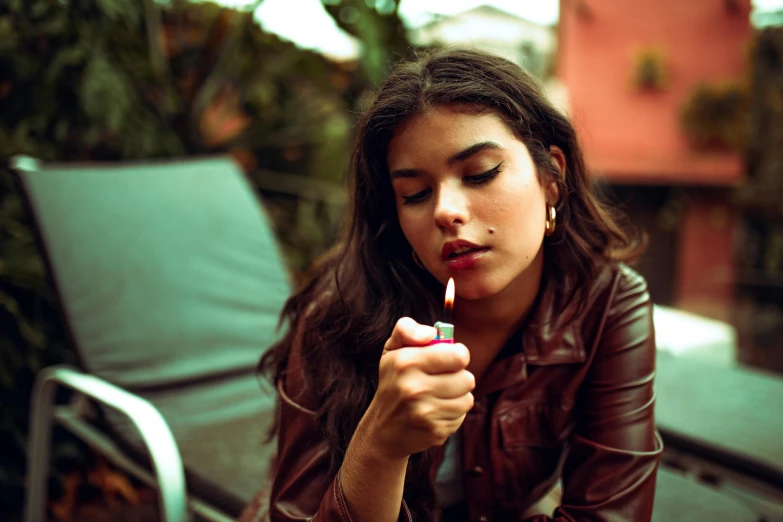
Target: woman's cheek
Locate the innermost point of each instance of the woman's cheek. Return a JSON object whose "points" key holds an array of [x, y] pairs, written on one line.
{"points": [[411, 228]]}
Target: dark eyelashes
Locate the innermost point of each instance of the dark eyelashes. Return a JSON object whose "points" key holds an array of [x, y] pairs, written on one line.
{"points": [[408, 200], [484, 177], [478, 179]]}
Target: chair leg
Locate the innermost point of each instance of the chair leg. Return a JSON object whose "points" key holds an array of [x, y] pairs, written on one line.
{"points": [[167, 464], [99, 442], [38, 451]]}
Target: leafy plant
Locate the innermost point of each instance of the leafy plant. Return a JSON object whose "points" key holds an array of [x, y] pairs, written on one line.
{"points": [[377, 25], [760, 198], [762, 195], [716, 115], [115, 80], [649, 68]]}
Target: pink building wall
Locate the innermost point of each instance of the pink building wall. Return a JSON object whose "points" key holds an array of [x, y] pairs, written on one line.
{"points": [[635, 135]]}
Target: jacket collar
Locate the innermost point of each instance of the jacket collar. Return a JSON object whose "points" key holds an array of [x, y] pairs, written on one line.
{"points": [[552, 335]]}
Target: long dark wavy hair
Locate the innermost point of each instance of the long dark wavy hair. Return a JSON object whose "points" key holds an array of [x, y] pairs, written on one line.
{"points": [[354, 295]]}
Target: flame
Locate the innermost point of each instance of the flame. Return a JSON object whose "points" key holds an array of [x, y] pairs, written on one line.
{"points": [[448, 304]]}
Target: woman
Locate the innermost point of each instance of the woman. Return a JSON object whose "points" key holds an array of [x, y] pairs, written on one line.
{"points": [[463, 170]]}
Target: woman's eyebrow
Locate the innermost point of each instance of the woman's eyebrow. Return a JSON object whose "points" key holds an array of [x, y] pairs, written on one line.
{"points": [[456, 158], [404, 173], [472, 150]]}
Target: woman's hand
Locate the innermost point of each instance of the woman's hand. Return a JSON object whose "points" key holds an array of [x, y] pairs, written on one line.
{"points": [[423, 395]]}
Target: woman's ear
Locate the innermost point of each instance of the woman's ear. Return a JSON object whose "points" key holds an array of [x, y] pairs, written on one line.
{"points": [[557, 157]]}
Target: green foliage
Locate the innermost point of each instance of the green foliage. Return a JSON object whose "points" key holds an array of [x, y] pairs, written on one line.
{"points": [[763, 193], [761, 196], [649, 69], [759, 292], [377, 25], [716, 115], [31, 337], [112, 80]]}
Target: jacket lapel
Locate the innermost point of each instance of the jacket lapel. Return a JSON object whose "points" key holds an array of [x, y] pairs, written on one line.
{"points": [[551, 336]]}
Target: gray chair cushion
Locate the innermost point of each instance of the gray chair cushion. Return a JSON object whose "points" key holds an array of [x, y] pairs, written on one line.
{"points": [[166, 267], [171, 284]]}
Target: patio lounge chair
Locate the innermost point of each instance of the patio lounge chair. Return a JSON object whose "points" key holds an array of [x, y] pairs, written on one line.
{"points": [[171, 285]]}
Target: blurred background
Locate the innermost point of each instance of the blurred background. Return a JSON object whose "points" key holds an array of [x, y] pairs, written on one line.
{"points": [[679, 106]]}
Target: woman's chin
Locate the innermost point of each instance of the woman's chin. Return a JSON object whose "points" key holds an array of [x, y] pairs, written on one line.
{"points": [[475, 290]]}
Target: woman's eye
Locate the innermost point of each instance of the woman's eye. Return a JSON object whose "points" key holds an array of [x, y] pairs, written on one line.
{"points": [[479, 179], [416, 198]]}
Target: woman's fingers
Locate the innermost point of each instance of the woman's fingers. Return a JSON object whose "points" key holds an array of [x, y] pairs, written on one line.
{"points": [[452, 409], [444, 358], [412, 363], [408, 332], [424, 392], [434, 412], [449, 385]]}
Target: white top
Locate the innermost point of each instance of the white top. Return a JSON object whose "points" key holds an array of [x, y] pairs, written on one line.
{"points": [[448, 481]]}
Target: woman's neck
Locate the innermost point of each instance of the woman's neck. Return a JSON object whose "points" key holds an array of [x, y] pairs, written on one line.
{"points": [[488, 323]]}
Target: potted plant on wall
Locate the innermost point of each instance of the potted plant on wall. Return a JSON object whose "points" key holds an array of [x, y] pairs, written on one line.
{"points": [[649, 71], [715, 115]]}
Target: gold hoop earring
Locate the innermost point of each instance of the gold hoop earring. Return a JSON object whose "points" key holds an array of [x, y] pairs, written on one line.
{"points": [[550, 223], [417, 260]]}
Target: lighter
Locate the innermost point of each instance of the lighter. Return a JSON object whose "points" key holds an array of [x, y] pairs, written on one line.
{"points": [[446, 328]]}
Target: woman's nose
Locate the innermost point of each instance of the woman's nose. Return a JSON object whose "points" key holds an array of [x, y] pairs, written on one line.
{"points": [[451, 207]]}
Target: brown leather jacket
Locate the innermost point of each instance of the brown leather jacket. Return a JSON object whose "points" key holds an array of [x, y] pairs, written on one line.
{"points": [[575, 403]]}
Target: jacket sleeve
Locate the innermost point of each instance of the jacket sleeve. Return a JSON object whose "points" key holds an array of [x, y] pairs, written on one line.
{"points": [[610, 471], [304, 487]]}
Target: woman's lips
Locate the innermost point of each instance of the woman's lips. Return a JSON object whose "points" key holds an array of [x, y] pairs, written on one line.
{"points": [[467, 259]]}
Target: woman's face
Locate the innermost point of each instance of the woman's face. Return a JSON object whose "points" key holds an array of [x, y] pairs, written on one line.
{"points": [[468, 200]]}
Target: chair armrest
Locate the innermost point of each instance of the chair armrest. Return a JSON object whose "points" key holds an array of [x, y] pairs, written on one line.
{"points": [[154, 431]]}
